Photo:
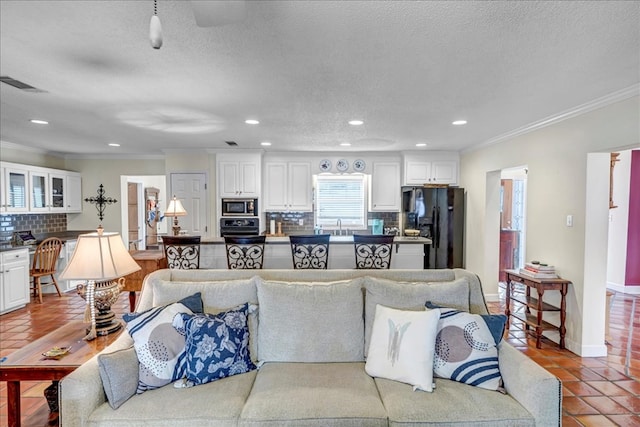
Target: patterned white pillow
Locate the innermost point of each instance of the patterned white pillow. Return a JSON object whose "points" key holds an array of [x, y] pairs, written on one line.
{"points": [[466, 349], [159, 347], [402, 346]]}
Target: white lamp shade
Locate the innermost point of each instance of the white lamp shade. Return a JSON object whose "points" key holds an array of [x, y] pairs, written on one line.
{"points": [[175, 208], [99, 256]]}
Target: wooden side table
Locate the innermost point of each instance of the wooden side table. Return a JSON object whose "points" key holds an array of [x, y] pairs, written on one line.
{"points": [[540, 285], [28, 363], [149, 261]]}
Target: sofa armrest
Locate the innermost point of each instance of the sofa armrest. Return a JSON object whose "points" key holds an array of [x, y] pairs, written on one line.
{"points": [[535, 388], [81, 392]]}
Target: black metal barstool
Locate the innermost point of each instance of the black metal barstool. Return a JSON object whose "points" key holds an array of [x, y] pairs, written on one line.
{"points": [[244, 252], [310, 252], [182, 252], [373, 251]]}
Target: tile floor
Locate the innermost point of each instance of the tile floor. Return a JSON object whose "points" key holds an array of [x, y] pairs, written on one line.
{"points": [[596, 391]]}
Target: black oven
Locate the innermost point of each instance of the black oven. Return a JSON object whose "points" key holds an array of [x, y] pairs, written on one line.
{"points": [[239, 226], [239, 207]]}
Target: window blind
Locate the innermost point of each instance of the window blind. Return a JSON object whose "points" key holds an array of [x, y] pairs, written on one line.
{"points": [[341, 197]]}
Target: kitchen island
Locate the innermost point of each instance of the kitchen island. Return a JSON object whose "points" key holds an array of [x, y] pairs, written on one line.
{"points": [[408, 253]]}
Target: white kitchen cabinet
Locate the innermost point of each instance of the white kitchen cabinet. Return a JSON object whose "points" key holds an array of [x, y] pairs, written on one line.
{"points": [[14, 279], [34, 189], [436, 168], [288, 187], [238, 176], [73, 192], [385, 182], [14, 189]]}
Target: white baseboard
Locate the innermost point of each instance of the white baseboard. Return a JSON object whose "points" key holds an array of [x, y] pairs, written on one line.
{"points": [[631, 290], [585, 350], [492, 297]]}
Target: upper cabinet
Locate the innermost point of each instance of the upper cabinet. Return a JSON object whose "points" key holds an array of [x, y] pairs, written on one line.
{"points": [[288, 186], [385, 181], [40, 190], [13, 191], [238, 175], [431, 168]]}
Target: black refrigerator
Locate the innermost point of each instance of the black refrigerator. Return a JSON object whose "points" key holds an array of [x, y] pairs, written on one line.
{"points": [[438, 212]]}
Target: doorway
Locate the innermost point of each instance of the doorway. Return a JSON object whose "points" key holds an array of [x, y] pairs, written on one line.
{"points": [[134, 214], [191, 188], [513, 189]]}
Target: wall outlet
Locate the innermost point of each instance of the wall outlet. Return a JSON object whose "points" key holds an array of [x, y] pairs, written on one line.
{"points": [[569, 220], [301, 222]]}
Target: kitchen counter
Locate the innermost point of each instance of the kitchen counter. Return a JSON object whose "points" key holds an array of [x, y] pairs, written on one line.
{"points": [[344, 240], [62, 235]]}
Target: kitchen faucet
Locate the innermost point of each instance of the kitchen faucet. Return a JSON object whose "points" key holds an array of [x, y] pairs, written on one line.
{"points": [[339, 224]]}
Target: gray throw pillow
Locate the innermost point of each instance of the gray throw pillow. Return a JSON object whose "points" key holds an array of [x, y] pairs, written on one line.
{"points": [[119, 374]]}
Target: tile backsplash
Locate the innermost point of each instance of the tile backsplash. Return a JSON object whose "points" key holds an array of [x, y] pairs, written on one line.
{"points": [[290, 221], [37, 223]]}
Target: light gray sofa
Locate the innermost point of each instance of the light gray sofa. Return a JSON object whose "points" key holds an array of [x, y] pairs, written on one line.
{"points": [[318, 379]]}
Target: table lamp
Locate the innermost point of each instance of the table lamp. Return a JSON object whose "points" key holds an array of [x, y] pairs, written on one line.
{"points": [[175, 209], [99, 258]]}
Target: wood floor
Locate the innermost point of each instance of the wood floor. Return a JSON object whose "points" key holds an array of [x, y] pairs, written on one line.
{"points": [[596, 391]]}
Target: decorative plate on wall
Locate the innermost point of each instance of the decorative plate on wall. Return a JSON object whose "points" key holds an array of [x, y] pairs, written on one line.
{"points": [[342, 165], [359, 165], [325, 165]]}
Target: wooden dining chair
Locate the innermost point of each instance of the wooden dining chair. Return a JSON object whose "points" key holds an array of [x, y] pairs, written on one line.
{"points": [[373, 251], [182, 252], [244, 252], [310, 252], [45, 260]]}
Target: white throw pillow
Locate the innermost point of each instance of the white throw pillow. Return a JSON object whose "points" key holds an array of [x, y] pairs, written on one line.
{"points": [[402, 346]]}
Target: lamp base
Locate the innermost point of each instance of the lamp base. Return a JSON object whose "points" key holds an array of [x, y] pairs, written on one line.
{"points": [[106, 323]]}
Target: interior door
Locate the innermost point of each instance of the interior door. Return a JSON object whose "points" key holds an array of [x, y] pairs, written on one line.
{"points": [[132, 210], [191, 189]]}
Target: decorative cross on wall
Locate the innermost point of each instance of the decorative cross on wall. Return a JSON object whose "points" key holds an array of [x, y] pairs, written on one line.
{"points": [[101, 202]]}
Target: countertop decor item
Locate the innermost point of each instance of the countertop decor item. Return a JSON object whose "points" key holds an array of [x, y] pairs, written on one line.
{"points": [[175, 209], [99, 258]]}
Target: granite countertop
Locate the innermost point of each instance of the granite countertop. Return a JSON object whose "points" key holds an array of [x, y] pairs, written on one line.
{"points": [[62, 235], [348, 240]]}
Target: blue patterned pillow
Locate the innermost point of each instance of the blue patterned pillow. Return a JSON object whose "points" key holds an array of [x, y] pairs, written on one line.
{"points": [[466, 347], [217, 346]]}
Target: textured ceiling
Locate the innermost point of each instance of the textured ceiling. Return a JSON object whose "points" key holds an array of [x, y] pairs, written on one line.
{"points": [[304, 68]]}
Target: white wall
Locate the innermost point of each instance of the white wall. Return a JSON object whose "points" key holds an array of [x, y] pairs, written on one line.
{"points": [[556, 157], [618, 223]]}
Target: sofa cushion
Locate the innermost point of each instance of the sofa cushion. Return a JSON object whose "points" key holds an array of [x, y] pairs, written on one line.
{"points": [[451, 403], [216, 404], [313, 394], [217, 346], [311, 321], [119, 375], [411, 296], [402, 346], [159, 347]]}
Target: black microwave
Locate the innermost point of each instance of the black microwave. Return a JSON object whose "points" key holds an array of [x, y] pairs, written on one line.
{"points": [[239, 207]]}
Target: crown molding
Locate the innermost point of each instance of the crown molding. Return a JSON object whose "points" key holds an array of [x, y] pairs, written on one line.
{"points": [[609, 99]]}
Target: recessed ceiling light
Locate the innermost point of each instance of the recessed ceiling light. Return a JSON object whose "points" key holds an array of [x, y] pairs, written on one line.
{"points": [[39, 122], [355, 122], [265, 143], [421, 144], [252, 122], [345, 144], [459, 122], [114, 144]]}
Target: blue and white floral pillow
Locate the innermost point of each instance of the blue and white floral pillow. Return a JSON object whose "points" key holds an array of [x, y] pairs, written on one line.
{"points": [[466, 347], [217, 346]]}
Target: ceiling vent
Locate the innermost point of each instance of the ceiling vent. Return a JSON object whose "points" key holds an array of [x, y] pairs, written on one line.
{"points": [[20, 85], [232, 143]]}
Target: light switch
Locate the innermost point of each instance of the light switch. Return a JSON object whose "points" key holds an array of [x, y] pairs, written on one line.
{"points": [[569, 220]]}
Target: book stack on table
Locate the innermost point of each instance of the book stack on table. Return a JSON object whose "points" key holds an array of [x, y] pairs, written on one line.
{"points": [[539, 271]]}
